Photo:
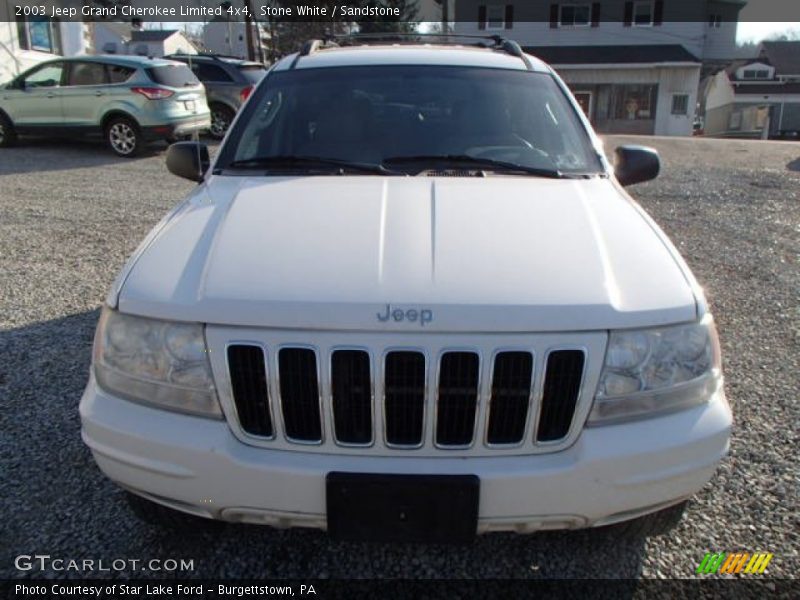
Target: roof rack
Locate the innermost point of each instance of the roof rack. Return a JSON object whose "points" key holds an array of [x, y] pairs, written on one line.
{"points": [[496, 42], [211, 55]]}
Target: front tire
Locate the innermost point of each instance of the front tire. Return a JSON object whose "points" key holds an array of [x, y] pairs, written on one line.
{"points": [[221, 119], [123, 137], [8, 136]]}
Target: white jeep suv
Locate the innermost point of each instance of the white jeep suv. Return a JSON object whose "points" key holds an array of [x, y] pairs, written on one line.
{"points": [[408, 300]]}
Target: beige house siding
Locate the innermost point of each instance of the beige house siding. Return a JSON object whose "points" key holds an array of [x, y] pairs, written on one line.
{"points": [[669, 80]]}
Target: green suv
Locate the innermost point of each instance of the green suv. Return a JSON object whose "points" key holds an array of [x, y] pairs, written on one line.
{"points": [[128, 100]]}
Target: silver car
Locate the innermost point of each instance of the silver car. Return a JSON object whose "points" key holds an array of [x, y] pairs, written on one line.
{"points": [[128, 100]]}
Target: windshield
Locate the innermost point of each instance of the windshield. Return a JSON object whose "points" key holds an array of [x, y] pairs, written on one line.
{"points": [[407, 117]]}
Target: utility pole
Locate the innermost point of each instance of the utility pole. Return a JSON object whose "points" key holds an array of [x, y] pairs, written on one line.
{"points": [[248, 30], [446, 17]]}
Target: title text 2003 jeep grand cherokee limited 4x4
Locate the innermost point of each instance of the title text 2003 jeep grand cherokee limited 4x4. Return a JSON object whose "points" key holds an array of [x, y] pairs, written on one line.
{"points": [[409, 300]]}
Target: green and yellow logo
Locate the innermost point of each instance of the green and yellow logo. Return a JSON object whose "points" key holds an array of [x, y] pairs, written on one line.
{"points": [[734, 562]]}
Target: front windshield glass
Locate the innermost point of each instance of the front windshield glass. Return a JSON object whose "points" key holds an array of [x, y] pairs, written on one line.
{"points": [[402, 115]]}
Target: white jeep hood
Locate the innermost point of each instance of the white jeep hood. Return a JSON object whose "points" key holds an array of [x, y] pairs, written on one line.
{"points": [[481, 254]]}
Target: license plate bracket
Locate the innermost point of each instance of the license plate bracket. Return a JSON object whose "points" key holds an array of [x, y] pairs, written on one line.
{"points": [[402, 508]]}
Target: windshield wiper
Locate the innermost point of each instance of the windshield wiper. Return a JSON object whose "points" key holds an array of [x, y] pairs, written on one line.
{"points": [[474, 161], [289, 161]]}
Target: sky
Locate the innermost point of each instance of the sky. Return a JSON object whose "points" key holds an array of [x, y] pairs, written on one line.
{"points": [[755, 32]]}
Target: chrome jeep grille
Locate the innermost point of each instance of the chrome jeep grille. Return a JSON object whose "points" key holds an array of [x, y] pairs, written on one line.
{"points": [[377, 396], [562, 381], [249, 383], [511, 388], [457, 400], [351, 397], [404, 398], [299, 385]]}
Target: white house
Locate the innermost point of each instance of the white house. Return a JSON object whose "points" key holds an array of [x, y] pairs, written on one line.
{"points": [[159, 42], [24, 42], [634, 66], [756, 98], [111, 37], [230, 37], [225, 37]]}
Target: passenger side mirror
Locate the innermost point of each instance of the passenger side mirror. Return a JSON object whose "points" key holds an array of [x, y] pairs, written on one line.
{"points": [[189, 160], [635, 164]]}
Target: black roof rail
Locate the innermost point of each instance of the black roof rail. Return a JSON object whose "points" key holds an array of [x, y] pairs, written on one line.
{"points": [[198, 55], [489, 41], [312, 46], [513, 48], [211, 55]]}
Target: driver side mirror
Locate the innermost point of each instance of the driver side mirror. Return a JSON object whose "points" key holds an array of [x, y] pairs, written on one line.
{"points": [[189, 160], [635, 164]]}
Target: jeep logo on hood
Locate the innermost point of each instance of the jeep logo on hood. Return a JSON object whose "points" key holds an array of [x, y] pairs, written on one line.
{"points": [[412, 315]]}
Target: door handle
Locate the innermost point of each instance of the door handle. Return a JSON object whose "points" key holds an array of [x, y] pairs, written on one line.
{"points": [[51, 95]]}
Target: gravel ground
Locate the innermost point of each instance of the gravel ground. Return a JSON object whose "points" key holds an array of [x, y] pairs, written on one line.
{"points": [[71, 213]]}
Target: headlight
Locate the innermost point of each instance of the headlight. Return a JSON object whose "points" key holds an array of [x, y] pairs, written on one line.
{"points": [[155, 362], [654, 371]]}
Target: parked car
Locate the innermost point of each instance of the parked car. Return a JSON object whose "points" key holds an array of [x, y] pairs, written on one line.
{"points": [[127, 100], [228, 82], [409, 299]]}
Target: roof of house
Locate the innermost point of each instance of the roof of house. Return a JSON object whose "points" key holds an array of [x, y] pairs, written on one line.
{"points": [[784, 56], [764, 89], [736, 64], [123, 30], [152, 35], [592, 55]]}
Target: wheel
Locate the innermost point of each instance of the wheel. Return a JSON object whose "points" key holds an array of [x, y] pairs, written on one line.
{"points": [[7, 134], [123, 137], [654, 524], [159, 515], [221, 119]]}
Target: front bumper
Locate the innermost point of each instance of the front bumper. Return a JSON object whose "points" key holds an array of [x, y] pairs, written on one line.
{"points": [[610, 474]]}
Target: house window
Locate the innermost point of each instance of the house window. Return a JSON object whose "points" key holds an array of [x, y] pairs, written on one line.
{"points": [[714, 20], [495, 17], [680, 104], [39, 34], [574, 15], [755, 74], [633, 102], [643, 13]]}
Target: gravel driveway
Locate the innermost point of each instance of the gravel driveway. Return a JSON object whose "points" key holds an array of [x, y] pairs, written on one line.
{"points": [[71, 213]]}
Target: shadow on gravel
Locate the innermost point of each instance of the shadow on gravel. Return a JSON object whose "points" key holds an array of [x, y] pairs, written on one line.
{"points": [[55, 500], [794, 165], [62, 154]]}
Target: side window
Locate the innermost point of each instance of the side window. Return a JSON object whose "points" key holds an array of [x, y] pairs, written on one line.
{"points": [[207, 72], [47, 76], [680, 104], [118, 74], [87, 73]]}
